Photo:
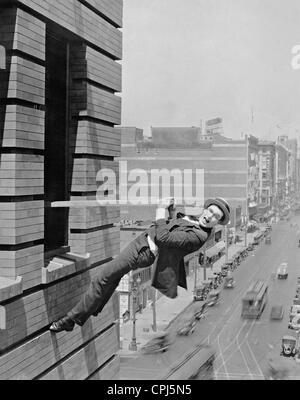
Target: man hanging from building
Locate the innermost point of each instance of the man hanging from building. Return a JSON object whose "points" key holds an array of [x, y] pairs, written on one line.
{"points": [[166, 243]]}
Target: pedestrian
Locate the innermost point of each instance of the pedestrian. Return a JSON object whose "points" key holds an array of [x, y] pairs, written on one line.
{"points": [[164, 244]]}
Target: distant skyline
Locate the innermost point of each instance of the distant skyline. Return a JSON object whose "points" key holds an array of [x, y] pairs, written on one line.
{"points": [[184, 61]]}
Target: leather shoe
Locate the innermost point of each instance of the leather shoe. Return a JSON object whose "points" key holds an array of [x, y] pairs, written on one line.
{"points": [[63, 324]]}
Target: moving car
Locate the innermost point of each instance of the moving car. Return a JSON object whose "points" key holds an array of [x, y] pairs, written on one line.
{"points": [[160, 342], [282, 272], [200, 313], [229, 281], [201, 291], [188, 325], [276, 312]]}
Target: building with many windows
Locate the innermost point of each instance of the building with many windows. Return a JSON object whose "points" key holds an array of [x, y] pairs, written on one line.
{"points": [[192, 167], [266, 173]]}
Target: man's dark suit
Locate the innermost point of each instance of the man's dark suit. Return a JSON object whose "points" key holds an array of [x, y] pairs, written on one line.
{"points": [[175, 239]]}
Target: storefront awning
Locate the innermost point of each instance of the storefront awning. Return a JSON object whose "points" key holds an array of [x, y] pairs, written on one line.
{"points": [[252, 204], [212, 251]]}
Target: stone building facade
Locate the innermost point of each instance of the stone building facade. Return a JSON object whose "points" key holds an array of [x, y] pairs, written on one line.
{"points": [[58, 109]]}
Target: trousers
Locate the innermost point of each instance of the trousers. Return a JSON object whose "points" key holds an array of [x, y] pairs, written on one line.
{"points": [[136, 255]]}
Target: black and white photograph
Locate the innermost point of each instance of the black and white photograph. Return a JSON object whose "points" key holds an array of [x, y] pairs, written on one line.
{"points": [[149, 192]]}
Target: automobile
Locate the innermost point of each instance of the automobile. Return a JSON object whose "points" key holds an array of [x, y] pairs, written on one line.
{"points": [[213, 298], [238, 239], [187, 326], [160, 342], [288, 346], [268, 240], [224, 270], [214, 281], [244, 253], [277, 312], [282, 272], [294, 310], [295, 323], [229, 282], [250, 247], [200, 313], [201, 291], [296, 301], [230, 265]]}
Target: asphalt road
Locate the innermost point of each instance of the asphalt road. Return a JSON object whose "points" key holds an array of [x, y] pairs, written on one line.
{"points": [[242, 346]]}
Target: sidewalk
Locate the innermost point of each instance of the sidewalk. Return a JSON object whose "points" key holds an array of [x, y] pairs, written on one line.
{"points": [[167, 310]]}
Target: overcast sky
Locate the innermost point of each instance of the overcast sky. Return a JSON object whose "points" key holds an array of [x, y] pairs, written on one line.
{"points": [[187, 60]]}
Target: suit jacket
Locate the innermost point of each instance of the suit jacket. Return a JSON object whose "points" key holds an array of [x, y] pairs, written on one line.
{"points": [[175, 239]]}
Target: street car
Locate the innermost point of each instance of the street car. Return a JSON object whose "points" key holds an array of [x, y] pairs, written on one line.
{"points": [[276, 312], [282, 271]]}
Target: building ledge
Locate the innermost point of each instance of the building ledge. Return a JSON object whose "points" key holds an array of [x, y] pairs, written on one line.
{"points": [[10, 288], [62, 266]]}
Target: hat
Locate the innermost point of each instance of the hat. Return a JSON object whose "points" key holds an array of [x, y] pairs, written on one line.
{"points": [[223, 205]]}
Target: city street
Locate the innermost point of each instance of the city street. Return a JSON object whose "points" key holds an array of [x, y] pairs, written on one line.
{"points": [[242, 346]]}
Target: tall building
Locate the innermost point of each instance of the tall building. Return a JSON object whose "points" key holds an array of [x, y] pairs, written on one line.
{"points": [[192, 167], [282, 157], [266, 173], [58, 111]]}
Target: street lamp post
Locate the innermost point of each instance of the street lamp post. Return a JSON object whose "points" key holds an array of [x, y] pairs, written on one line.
{"points": [[226, 243], [204, 262], [154, 327], [246, 228], [134, 284], [195, 274]]}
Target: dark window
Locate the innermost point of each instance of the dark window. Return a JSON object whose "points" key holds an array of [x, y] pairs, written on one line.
{"points": [[56, 219], [2, 57]]}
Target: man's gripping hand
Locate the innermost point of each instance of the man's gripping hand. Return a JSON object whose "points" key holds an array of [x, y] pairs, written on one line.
{"points": [[166, 208]]}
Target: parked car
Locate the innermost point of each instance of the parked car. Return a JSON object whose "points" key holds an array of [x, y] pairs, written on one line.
{"points": [[250, 247], [295, 310], [282, 271], [295, 323], [296, 301], [268, 240], [201, 291], [277, 312]]}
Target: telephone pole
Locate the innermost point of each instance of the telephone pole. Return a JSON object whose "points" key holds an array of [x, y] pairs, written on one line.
{"points": [[226, 243]]}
